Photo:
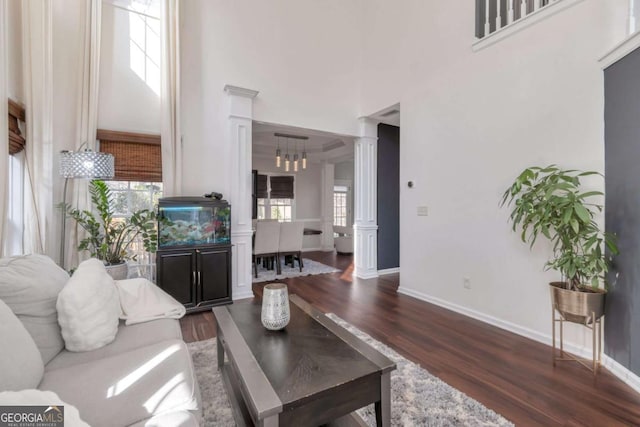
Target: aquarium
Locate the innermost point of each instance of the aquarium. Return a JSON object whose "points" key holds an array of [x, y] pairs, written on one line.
{"points": [[192, 221]]}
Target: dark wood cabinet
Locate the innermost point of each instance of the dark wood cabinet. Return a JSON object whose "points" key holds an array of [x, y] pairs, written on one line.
{"points": [[214, 275], [194, 251], [199, 278], [176, 275]]}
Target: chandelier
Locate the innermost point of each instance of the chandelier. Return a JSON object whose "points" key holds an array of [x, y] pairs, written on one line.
{"points": [[287, 158]]}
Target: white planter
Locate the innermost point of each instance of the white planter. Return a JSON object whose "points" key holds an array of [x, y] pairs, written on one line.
{"points": [[118, 271]]}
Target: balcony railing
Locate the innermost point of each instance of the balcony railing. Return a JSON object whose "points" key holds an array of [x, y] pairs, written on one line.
{"points": [[494, 15]]}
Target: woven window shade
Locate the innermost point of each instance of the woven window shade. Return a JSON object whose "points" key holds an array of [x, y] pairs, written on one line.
{"points": [[262, 187], [17, 114], [137, 156], [282, 187]]}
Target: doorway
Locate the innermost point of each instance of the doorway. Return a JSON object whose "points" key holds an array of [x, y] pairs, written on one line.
{"points": [[388, 189]]}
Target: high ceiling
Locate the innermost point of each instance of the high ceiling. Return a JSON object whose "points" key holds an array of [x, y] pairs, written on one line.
{"points": [[321, 146]]}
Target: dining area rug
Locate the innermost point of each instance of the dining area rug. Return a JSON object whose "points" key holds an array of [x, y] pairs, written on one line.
{"points": [[310, 268]]}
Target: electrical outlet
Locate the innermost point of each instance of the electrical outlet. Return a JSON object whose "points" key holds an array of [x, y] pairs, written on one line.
{"points": [[466, 282], [423, 211]]}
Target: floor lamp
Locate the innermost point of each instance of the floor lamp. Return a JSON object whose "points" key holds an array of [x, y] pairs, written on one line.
{"points": [[85, 164]]}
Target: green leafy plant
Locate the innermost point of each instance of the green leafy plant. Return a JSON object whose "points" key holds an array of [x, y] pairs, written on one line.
{"points": [[109, 238], [548, 201]]}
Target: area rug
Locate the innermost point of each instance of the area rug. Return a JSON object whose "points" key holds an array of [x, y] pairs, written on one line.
{"points": [[310, 268], [417, 397]]}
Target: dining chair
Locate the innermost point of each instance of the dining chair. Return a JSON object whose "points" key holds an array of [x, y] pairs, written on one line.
{"points": [[291, 234], [266, 243]]}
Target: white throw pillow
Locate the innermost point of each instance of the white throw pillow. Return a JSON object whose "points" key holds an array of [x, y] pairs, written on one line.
{"points": [[29, 285], [20, 361], [48, 399], [89, 308]]}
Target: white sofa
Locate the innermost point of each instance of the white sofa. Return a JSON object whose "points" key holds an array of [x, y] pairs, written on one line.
{"points": [[145, 377]]}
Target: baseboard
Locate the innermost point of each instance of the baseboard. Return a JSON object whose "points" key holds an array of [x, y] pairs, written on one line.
{"points": [[312, 249], [365, 275], [631, 379], [243, 295], [388, 271], [502, 324]]}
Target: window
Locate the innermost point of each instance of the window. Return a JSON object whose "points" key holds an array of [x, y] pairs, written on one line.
{"points": [[131, 196], [14, 220], [275, 197], [281, 209], [340, 205], [145, 49], [137, 183]]}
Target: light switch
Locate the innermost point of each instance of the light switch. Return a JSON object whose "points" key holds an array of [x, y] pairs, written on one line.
{"points": [[423, 211]]}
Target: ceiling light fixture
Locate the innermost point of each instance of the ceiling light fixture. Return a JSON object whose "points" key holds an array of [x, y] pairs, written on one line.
{"points": [[296, 158], [286, 158], [304, 155], [278, 153]]}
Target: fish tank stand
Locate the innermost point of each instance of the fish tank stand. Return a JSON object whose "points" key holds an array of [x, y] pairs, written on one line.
{"points": [[194, 251]]}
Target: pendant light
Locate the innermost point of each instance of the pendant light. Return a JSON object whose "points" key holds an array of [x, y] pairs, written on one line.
{"points": [[278, 153], [286, 158], [304, 155], [295, 159]]}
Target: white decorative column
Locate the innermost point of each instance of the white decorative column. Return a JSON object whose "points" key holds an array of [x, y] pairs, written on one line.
{"points": [[365, 201], [328, 176], [240, 140]]}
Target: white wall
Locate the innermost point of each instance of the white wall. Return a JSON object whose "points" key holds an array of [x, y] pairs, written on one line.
{"points": [[129, 101], [307, 195], [470, 122], [302, 55]]}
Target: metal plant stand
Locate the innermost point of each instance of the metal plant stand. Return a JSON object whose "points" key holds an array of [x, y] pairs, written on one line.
{"points": [[596, 333]]}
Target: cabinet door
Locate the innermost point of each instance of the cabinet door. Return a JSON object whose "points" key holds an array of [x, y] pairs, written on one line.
{"points": [[214, 267], [176, 275]]}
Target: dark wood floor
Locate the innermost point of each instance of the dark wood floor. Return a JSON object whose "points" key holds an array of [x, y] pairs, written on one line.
{"points": [[510, 374]]}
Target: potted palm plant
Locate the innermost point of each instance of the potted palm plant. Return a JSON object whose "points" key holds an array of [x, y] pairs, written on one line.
{"points": [[109, 238], [549, 202]]}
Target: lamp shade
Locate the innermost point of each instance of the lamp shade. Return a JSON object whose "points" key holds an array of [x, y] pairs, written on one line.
{"points": [[86, 164]]}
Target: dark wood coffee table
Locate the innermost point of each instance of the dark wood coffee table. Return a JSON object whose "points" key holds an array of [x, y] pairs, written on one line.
{"points": [[311, 373]]}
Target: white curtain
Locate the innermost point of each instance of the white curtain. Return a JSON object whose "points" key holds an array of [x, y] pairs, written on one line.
{"points": [[38, 92], [170, 98], [4, 131], [87, 119], [145, 7]]}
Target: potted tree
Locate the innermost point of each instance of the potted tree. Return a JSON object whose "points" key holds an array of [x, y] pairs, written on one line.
{"points": [[109, 238], [549, 202]]}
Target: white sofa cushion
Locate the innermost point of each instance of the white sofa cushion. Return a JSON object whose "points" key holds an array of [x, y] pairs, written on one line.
{"points": [[128, 338], [43, 398], [30, 285], [89, 308], [133, 386], [21, 365]]}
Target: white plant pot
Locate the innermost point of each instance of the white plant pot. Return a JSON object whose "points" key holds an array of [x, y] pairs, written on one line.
{"points": [[118, 271]]}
